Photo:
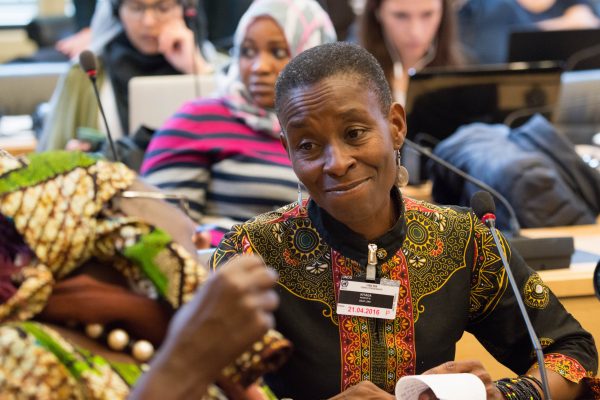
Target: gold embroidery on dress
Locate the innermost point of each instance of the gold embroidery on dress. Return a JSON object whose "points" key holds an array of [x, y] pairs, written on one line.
{"points": [[535, 292]]}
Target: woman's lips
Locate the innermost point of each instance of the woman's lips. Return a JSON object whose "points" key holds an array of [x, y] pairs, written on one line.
{"points": [[346, 187], [262, 87]]}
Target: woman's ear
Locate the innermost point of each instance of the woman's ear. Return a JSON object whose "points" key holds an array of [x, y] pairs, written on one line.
{"points": [[397, 121]]}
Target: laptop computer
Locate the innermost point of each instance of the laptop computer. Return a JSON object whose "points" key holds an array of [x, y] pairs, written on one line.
{"points": [[439, 101], [574, 49], [153, 99], [577, 112]]}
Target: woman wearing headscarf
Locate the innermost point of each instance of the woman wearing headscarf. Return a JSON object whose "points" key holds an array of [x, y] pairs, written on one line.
{"points": [[224, 154], [137, 38]]}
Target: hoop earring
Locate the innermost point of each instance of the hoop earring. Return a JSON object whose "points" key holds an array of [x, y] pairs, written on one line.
{"points": [[402, 172]]}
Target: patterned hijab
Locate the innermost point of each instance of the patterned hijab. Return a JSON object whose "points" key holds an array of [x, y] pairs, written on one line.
{"points": [[304, 23]]}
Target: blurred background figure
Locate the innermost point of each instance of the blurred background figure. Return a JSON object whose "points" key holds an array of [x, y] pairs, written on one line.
{"points": [[408, 35], [73, 45], [485, 25], [140, 38], [225, 154]]}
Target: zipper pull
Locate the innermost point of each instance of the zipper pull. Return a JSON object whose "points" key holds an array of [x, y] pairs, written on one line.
{"points": [[372, 262]]}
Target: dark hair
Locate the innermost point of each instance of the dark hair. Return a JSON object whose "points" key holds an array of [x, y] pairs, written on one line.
{"points": [[334, 59], [448, 50]]}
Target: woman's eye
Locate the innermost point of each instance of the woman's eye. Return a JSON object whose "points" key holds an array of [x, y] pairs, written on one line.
{"points": [[247, 52], [355, 133], [280, 53], [307, 146]]}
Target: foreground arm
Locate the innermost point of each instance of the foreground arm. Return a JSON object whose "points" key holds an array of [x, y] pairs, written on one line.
{"points": [[205, 335]]}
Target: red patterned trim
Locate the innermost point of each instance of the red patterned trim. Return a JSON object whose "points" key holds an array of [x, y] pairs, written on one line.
{"points": [[246, 246], [355, 335], [567, 367], [410, 204]]}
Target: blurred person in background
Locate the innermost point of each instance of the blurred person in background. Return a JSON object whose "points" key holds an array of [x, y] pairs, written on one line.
{"points": [[485, 25], [408, 35], [140, 38]]}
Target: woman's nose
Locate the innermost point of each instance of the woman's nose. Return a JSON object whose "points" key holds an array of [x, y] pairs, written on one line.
{"points": [[149, 16], [262, 63], [338, 161]]}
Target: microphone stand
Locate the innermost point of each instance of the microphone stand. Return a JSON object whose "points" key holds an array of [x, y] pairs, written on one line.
{"points": [[110, 139], [532, 335]]}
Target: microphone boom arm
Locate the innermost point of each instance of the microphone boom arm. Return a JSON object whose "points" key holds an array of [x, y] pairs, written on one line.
{"points": [[532, 335]]}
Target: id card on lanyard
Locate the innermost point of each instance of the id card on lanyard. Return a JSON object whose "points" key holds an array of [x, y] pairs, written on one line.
{"points": [[368, 299]]}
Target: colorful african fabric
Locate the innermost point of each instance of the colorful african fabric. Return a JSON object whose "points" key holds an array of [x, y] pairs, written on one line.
{"points": [[451, 281], [59, 204]]}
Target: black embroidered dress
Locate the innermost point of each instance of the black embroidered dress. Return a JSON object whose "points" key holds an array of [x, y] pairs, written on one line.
{"points": [[451, 281]]}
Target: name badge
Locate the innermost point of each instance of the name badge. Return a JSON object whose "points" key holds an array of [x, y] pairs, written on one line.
{"points": [[368, 299]]}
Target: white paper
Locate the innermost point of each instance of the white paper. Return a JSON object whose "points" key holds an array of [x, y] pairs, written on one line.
{"points": [[444, 386]]}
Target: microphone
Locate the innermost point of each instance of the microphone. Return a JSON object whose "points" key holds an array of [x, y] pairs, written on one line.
{"points": [[539, 253], [484, 208], [87, 61]]}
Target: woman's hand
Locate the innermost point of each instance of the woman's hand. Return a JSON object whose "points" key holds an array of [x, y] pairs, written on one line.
{"points": [[364, 390], [231, 311], [202, 240], [474, 367], [72, 45], [78, 145], [177, 45]]}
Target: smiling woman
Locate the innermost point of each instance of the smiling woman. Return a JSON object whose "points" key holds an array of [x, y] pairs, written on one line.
{"points": [[343, 133], [342, 148]]}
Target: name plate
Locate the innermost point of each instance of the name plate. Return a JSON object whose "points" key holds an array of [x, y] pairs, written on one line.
{"points": [[368, 299]]}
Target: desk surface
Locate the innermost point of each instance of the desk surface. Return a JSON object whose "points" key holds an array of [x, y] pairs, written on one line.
{"points": [[572, 285], [16, 135], [18, 144], [577, 279]]}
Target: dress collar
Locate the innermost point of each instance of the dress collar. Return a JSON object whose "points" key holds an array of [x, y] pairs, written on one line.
{"points": [[351, 244]]}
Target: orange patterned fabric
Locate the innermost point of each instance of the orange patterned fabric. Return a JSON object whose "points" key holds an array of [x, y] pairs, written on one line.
{"points": [[356, 337], [567, 367]]}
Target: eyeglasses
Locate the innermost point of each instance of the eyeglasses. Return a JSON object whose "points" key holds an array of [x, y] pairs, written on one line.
{"points": [[161, 9]]}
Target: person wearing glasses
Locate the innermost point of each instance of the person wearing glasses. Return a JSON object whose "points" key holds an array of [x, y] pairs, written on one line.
{"points": [[147, 38]]}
